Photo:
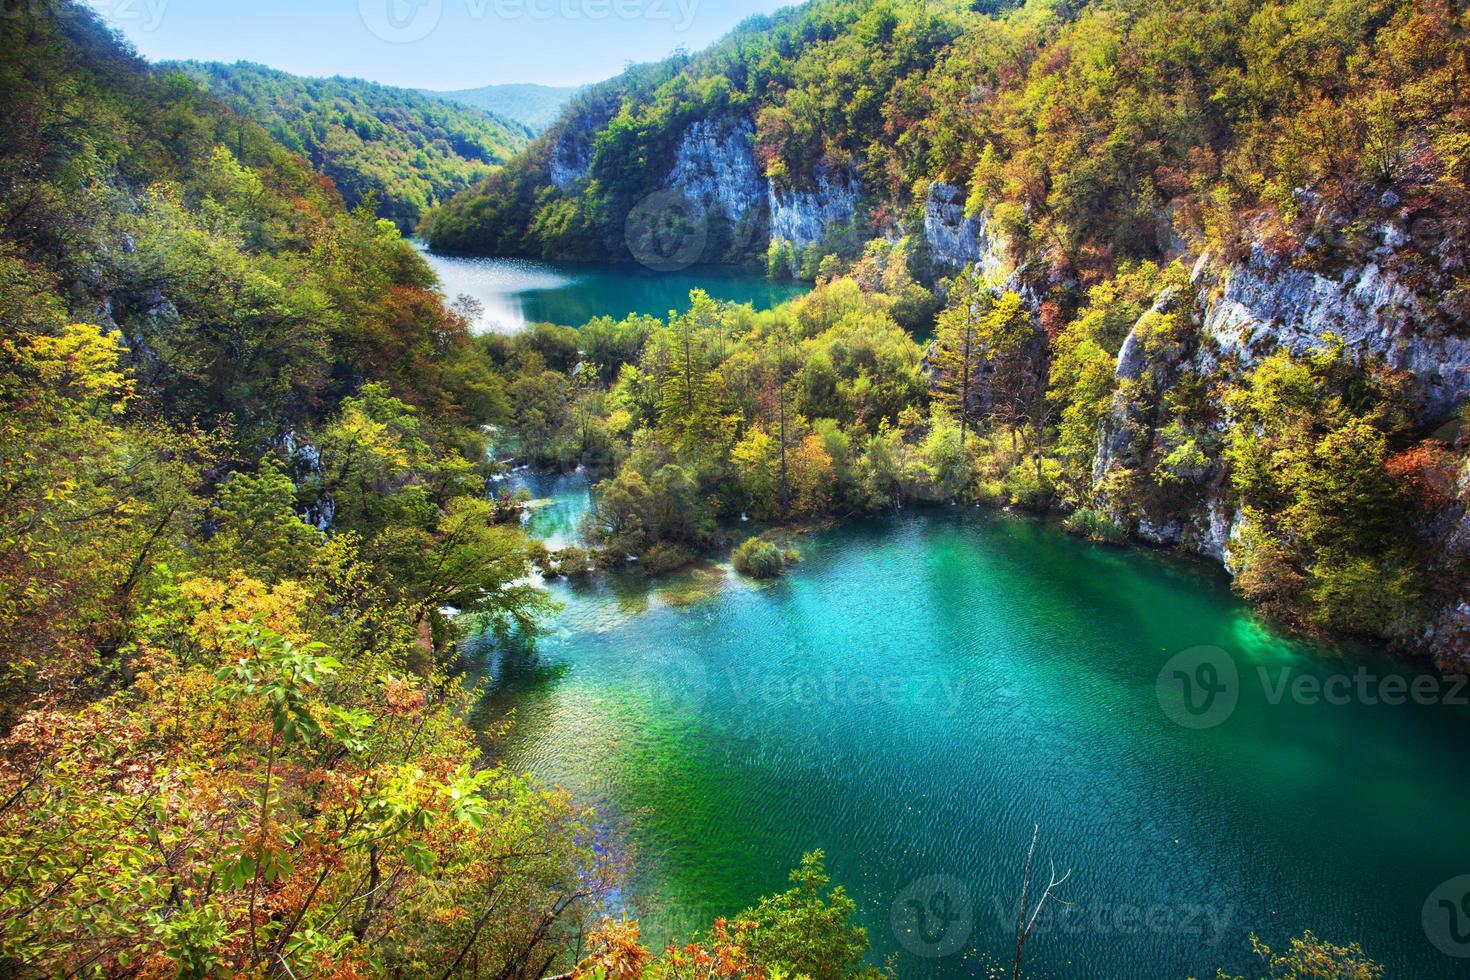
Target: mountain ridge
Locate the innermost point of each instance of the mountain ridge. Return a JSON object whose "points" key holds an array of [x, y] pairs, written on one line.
{"points": [[531, 104]]}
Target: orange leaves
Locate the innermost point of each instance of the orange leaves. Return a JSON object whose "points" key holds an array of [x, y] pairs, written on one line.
{"points": [[811, 475], [725, 954], [402, 697], [168, 823], [617, 952], [1429, 472]]}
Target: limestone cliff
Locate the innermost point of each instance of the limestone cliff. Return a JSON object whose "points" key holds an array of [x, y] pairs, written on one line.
{"points": [[716, 174], [957, 239], [1240, 311], [716, 170]]}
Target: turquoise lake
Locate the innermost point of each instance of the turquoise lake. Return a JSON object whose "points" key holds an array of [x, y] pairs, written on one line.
{"points": [[923, 689], [517, 292]]}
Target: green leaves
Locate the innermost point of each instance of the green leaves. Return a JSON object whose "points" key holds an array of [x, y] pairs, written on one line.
{"points": [[465, 789], [808, 929], [283, 674], [1329, 542]]}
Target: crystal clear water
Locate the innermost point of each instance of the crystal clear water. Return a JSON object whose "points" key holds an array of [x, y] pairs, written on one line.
{"points": [[923, 689], [517, 292]]}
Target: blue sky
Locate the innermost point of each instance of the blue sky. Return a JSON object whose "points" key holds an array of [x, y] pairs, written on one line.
{"points": [[442, 44]]}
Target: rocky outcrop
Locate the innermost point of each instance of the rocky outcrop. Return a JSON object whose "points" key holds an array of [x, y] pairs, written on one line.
{"points": [[1152, 361], [715, 168], [1247, 309], [803, 216], [957, 239], [570, 157], [1253, 307], [1130, 414], [716, 172]]}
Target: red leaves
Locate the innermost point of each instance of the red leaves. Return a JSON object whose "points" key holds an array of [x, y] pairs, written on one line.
{"points": [[1428, 472]]}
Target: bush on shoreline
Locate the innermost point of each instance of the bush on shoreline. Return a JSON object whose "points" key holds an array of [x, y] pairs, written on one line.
{"points": [[1096, 526]]}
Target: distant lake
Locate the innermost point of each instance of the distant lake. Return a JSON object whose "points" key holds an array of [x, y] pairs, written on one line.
{"points": [[517, 292]]}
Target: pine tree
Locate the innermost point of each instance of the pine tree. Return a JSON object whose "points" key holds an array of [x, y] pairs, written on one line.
{"points": [[1015, 359], [684, 408], [958, 350]]}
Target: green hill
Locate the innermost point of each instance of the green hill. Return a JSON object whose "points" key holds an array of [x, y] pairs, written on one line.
{"points": [[534, 106], [410, 150]]}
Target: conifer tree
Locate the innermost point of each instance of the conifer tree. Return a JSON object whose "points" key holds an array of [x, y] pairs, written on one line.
{"points": [[958, 349]]}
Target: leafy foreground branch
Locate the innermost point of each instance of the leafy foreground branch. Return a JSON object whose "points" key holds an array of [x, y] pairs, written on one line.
{"points": [[252, 803]]}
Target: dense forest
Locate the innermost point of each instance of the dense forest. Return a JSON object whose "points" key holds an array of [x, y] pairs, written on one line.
{"points": [[1193, 272], [247, 513], [407, 150]]}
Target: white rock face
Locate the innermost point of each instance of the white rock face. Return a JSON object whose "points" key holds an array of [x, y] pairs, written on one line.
{"points": [[956, 240], [569, 161], [715, 168], [801, 217], [1249, 309], [1252, 308]]}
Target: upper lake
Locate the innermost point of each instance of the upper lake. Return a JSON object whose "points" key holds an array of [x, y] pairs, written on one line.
{"points": [[517, 292], [923, 689]]}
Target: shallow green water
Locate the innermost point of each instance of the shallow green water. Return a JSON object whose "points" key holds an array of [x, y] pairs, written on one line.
{"points": [[515, 292], [923, 689]]}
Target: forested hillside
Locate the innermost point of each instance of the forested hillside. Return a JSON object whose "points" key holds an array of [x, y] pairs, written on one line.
{"points": [[246, 498], [534, 106], [1085, 133], [243, 477], [1199, 272], [409, 150]]}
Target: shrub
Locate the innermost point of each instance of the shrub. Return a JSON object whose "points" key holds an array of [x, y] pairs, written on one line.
{"points": [[663, 556], [758, 558], [570, 562], [1094, 525], [1020, 487], [780, 259]]}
